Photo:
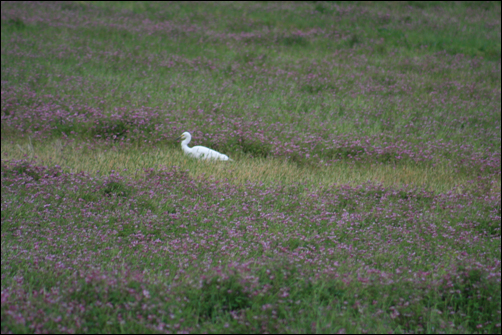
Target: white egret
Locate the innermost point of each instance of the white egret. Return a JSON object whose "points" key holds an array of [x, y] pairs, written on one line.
{"points": [[200, 152]]}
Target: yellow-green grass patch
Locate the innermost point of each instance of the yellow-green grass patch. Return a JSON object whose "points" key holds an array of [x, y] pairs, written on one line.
{"points": [[132, 161]]}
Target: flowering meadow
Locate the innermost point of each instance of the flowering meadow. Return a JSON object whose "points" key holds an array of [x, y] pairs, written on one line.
{"points": [[363, 195]]}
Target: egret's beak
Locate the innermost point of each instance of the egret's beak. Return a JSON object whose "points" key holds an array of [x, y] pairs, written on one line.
{"points": [[179, 138]]}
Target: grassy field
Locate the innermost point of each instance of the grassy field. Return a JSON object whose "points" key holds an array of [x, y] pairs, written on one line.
{"points": [[363, 195]]}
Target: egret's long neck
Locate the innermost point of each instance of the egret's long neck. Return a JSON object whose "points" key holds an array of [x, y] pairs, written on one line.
{"points": [[184, 145]]}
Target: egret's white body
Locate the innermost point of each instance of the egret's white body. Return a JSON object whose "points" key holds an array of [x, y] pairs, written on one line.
{"points": [[200, 152]]}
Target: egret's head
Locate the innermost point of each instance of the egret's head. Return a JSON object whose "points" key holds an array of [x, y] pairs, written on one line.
{"points": [[184, 136]]}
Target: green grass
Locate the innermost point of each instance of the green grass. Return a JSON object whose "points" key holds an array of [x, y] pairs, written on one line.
{"points": [[360, 236]]}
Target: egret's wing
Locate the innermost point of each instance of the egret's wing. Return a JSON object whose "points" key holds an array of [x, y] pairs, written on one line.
{"points": [[206, 153], [203, 152]]}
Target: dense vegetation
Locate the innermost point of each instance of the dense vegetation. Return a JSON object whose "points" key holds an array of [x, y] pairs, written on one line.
{"points": [[364, 195]]}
